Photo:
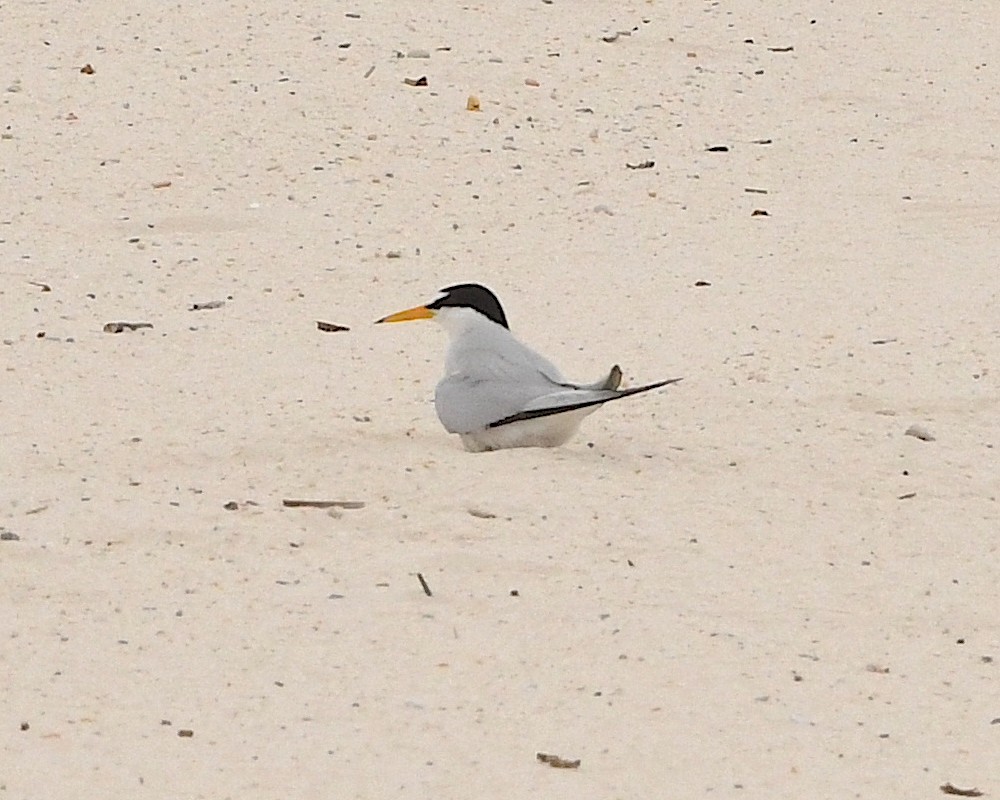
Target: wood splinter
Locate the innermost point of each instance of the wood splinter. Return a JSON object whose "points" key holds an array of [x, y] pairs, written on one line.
{"points": [[121, 327], [348, 504], [948, 788], [331, 327], [557, 762]]}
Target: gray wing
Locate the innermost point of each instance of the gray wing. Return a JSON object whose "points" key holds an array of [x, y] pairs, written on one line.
{"points": [[487, 384], [490, 387]]}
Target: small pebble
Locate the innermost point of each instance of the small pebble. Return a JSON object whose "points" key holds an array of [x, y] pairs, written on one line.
{"points": [[920, 432]]}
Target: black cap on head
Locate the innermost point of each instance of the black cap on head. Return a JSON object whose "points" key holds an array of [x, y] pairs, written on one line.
{"points": [[474, 296]]}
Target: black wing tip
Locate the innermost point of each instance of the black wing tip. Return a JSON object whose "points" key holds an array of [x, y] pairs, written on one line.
{"points": [[648, 387], [523, 416]]}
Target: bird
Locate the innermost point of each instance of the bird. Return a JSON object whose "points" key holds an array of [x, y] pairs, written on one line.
{"points": [[497, 392]]}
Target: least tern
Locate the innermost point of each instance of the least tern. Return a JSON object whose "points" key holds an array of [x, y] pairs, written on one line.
{"points": [[497, 392]]}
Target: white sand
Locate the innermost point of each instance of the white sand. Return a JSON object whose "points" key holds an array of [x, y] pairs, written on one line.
{"points": [[724, 590]]}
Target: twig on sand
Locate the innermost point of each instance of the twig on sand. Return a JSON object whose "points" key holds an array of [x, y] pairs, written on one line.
{"points": [[331, 327], [349, 504], [948, 788], [557, 761]]}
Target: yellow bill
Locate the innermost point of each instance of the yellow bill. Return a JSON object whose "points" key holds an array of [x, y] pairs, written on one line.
{"points": [[418, 312]]}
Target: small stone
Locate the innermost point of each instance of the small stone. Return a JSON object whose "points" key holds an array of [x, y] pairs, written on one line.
{"points": [[921, 433]]}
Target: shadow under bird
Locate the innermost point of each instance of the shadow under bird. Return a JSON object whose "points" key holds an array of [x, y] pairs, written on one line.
{"points": [[497, 392]]}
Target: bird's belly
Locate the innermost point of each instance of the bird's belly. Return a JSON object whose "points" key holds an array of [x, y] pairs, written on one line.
{"points": [[550, 431]]}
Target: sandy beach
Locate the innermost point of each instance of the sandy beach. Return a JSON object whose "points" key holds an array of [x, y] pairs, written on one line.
{"points": [[777, 578]]}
